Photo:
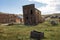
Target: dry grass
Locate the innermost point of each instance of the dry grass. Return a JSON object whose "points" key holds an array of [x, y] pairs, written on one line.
{"points": [[22, 32]]}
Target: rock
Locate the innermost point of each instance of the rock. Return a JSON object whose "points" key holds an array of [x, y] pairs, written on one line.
{"points": [[54, 22], [36, 35]]}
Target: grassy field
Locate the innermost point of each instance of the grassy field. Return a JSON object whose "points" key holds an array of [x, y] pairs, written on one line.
{"points": [[22, 32]]}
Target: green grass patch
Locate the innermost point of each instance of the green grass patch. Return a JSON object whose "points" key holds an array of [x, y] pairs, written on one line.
{"points": [[15, 32]]}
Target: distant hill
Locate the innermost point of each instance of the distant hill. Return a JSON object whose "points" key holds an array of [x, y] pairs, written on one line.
{"points": [[54, 14]]}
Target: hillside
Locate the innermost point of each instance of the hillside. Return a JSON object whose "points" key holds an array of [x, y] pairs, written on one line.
{"points": [[54, 14]]}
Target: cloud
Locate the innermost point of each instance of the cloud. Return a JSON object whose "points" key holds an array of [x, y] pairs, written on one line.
{"points": [[53, 6]]}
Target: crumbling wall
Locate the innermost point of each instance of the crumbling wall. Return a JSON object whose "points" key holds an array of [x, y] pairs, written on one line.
{"points": [[31, 15]]}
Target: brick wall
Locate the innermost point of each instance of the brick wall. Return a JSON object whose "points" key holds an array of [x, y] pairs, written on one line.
{"points": [[31, 15]]}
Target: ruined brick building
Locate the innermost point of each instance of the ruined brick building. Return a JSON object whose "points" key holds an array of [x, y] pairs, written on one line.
{"points": [[31, 15], [9, 18]]}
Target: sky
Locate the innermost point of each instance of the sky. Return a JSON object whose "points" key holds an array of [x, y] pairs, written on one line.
{"points": [[15, 6]]}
